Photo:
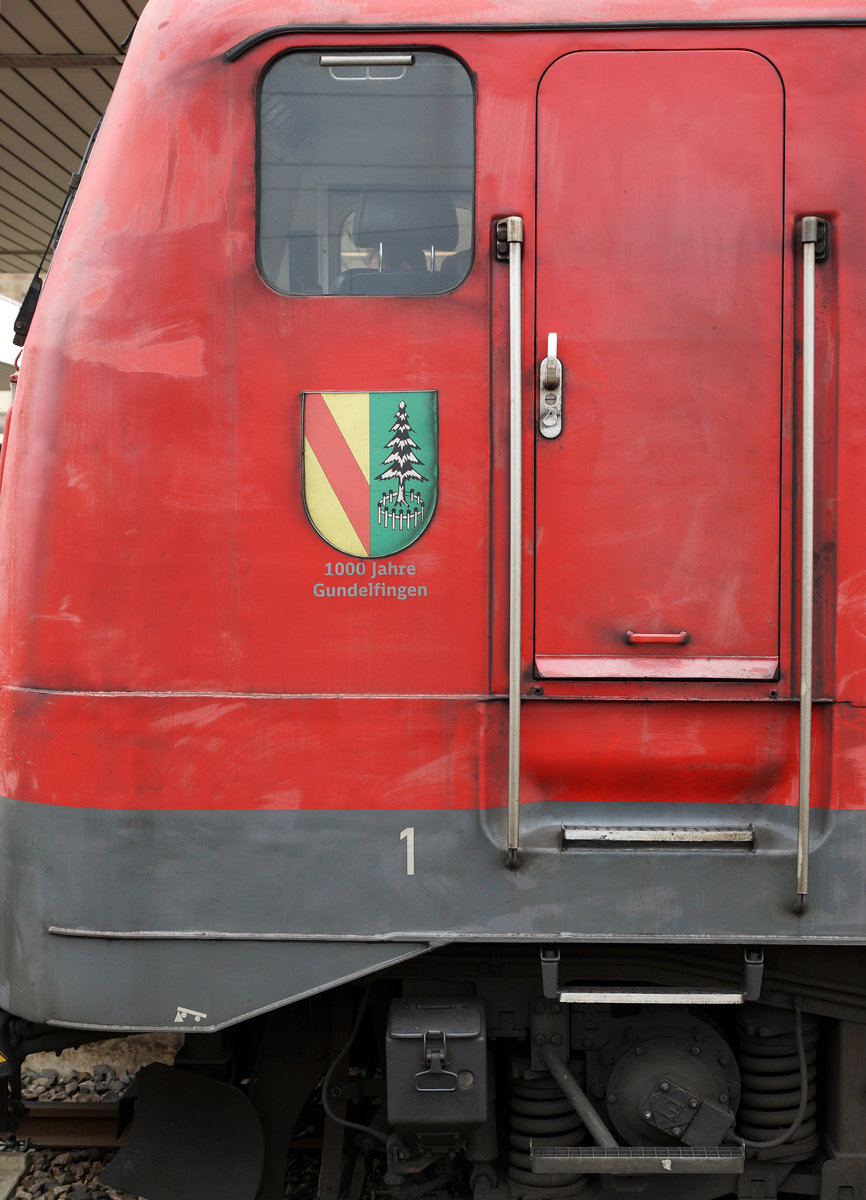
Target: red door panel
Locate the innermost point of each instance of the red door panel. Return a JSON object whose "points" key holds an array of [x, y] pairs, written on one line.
{"points": [[660, 253]]}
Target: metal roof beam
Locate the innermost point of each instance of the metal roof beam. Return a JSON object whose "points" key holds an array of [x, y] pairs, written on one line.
{"points": [[24, 62]]}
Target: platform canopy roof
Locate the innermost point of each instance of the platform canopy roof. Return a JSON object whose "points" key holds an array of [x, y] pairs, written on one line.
{"points": [[59, 60]]}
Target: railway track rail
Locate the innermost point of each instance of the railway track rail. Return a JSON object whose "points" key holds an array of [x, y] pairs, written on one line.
{"points": [[70, 1125], [80, 1125]]}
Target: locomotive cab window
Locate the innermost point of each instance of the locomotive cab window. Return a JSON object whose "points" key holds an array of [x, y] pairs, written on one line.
{"points": [[366, 173]]}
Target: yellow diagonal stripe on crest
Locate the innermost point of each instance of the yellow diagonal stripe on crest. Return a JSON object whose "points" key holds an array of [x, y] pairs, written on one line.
{"points": [[326, 511], [351, 411]]}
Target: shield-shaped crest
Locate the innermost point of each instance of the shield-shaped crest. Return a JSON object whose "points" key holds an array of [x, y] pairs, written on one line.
{"points": [[370, 468]]}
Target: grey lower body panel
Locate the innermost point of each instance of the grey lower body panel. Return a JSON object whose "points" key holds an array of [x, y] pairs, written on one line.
{"points": [[183, 920]]}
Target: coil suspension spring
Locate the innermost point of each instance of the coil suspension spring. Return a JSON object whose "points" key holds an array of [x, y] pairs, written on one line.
{"points": [[541, 1114], [778, 1055]]}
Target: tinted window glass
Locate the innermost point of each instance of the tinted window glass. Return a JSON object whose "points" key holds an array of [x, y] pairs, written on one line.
{"points": [[366, 173]]}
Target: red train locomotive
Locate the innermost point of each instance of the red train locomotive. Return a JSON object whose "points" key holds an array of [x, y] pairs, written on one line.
{"points": [[433, 646]]}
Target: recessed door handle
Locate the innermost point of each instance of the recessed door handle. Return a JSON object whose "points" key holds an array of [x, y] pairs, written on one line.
{"points": [[662, 639]]}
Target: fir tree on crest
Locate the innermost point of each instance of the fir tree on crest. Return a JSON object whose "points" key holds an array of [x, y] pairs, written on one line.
{"points": [[402, 460]]}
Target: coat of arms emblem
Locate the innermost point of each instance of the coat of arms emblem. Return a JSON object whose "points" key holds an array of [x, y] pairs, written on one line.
{"points": [[370, 468]]}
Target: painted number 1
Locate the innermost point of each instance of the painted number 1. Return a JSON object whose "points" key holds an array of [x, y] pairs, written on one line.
{"points": [[408, 835]]}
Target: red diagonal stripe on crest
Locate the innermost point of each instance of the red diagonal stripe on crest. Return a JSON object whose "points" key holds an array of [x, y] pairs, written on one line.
{"points": [[339, 464]]}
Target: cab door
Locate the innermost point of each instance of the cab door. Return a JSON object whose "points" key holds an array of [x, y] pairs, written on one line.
{"points": [[660, 252]]}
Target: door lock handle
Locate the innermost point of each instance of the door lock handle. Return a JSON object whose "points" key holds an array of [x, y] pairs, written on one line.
{"points": [[550, 392]]}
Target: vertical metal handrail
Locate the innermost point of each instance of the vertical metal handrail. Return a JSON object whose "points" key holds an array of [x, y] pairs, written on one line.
{"points": [[513, 227], [809, 238]]}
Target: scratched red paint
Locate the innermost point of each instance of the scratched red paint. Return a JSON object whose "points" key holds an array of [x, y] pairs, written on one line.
{"points": [[153, 541]]}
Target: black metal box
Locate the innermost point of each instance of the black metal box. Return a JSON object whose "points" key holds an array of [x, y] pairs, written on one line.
{"points": [[436, 1059]]}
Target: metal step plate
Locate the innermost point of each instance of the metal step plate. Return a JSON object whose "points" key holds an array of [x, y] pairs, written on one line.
{"points": [[638, 1160], [639, 995], [663, 835]]}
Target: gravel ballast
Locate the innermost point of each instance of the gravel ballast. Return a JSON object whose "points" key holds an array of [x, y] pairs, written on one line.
{"points": [[102, 1072]]}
